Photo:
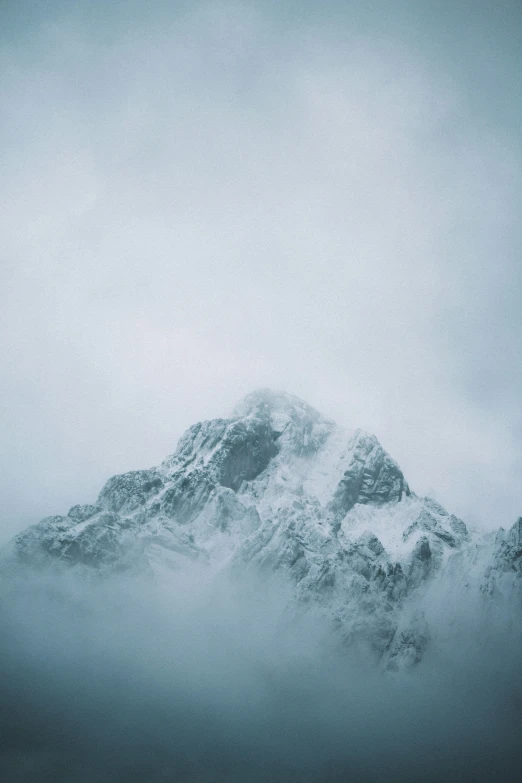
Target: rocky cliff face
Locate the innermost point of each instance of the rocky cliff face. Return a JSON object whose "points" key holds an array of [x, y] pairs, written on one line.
{"points": [[279, 489]]}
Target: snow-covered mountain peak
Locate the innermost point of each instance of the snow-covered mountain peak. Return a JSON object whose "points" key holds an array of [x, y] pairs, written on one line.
{"points": [[279, 406], [281, 489], [296, 425]]}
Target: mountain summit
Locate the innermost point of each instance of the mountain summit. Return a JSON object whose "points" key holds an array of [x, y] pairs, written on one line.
{"points": [[279, 489]]}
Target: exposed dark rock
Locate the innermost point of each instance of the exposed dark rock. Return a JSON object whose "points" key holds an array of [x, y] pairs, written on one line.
{"points": [[81, 513], [129, 491], [372, 477]]}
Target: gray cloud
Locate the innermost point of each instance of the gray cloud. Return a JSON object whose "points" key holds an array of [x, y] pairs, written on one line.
{"points": [[221, 197], [191, 680]]}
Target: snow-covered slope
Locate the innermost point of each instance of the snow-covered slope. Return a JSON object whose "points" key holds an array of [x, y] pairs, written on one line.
{"points": [[279, 489]]}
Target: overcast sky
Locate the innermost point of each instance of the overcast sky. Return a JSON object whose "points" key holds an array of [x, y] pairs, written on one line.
{"points": [[205, 198]]}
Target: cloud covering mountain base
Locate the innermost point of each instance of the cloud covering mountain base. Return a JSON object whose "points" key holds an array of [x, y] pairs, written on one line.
{"points": [[192, 680], [271, 603]]}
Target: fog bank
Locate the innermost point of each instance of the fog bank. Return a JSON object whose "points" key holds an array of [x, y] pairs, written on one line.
{"points": [[190, 679]]}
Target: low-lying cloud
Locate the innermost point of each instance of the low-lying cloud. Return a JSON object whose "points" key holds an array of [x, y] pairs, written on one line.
{"points": [[190, 679]]}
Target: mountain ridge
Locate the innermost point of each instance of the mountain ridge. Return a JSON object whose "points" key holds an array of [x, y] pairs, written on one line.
{"points": [[280, 489]]}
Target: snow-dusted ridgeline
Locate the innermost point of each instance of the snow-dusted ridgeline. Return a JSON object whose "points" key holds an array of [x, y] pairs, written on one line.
{"points": [[279, 489]]}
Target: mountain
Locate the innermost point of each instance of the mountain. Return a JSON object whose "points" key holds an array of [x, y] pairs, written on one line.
{"points": [[277, 489]]}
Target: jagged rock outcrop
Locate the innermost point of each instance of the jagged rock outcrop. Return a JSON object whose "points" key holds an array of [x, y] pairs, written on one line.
{"points": [[370, 477], [279, 489], [509, 548]]}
